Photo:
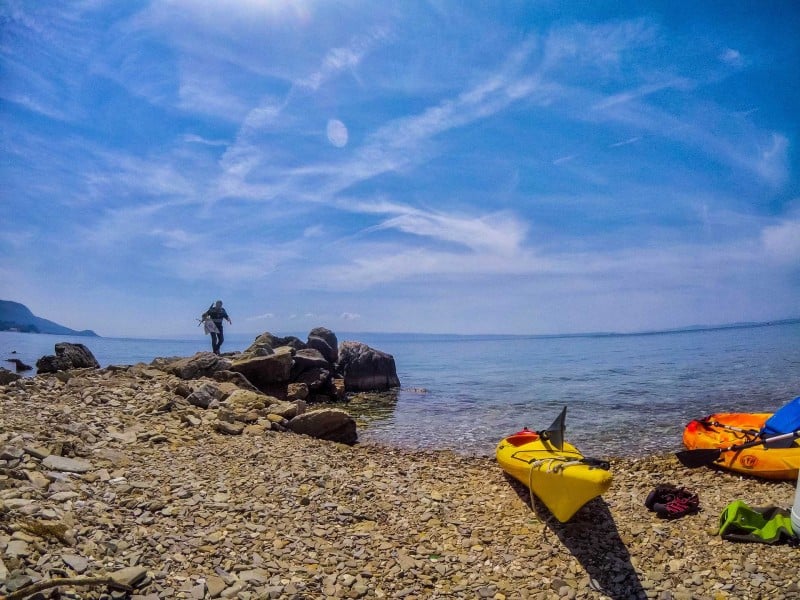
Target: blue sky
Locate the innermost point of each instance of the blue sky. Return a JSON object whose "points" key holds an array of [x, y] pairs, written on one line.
{"points": [[452, 167]]}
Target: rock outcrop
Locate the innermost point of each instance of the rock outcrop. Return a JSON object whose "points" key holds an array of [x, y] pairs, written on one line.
{"points": [[68, 356], [269, 386]]}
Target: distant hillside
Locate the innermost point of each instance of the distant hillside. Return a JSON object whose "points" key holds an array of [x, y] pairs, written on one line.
{"points": [[17, 317]]}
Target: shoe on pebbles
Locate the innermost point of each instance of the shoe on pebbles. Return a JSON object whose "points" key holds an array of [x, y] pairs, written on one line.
{"points": [[663, 493], [683, 502]]}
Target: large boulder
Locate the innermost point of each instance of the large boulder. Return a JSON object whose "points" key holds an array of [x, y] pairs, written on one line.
{"points": [[68, 356], [202, 364], [327, 424], [365, 369], [325, 341], [266, 372], [266, 343], [307, 359]]}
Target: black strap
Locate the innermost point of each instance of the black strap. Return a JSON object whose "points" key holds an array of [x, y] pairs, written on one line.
{"points": [[597, 462]]}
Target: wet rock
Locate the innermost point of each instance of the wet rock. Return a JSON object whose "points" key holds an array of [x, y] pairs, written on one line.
{"points": [[366, 369]]}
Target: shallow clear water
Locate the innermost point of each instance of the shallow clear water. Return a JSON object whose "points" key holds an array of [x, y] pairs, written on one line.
{"points": [[625, 395]]}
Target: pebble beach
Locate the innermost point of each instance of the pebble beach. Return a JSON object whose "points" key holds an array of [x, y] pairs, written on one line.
{"points": [[110, 483]]}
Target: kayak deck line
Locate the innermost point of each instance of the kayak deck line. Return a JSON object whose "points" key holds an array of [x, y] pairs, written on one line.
{"points": [[565, 461], [562, 478]]}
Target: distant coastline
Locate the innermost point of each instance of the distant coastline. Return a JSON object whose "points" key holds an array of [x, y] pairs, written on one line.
{"points": [[18, 318], [592, 334]]}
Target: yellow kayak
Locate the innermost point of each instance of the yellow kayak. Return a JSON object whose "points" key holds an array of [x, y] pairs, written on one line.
{"points": [[554, 470]]}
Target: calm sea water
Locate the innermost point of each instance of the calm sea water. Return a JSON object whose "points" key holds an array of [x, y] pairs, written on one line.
{"points": [[626, 395]]}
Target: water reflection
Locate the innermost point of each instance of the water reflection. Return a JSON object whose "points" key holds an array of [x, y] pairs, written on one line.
{"points": [[372, 408]]}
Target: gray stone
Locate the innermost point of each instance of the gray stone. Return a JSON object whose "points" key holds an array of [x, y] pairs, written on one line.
{"points": [[17, 548], [202, 398], [130, 576], [69, 465], [77, 563]]}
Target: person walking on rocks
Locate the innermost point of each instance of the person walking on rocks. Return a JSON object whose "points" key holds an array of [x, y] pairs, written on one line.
{"points": [[216, 314]]}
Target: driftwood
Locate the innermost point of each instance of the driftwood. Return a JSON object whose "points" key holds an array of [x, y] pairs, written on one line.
{"points": [[29, 590]]}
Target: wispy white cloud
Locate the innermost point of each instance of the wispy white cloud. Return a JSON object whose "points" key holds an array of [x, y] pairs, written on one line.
{"points": [[261, 317], [641, 92], [732, 57], [501, 234], [197, 139], [782, 241], [627, 142], [565, 159]]}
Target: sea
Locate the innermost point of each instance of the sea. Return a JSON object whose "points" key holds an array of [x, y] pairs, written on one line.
{"points": [[626, 395]]}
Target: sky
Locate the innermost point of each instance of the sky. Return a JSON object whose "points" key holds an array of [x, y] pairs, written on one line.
{"points": [[535, 167]]}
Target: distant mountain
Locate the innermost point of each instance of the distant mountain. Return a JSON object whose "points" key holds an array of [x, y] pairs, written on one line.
{"points": [[17, 317]]}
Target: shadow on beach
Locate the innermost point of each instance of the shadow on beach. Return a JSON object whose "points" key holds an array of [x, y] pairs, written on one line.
{"points": [[591, 536]]}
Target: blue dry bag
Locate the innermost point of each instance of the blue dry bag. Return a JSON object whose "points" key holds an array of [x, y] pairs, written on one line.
{"points": [[785, 420]]}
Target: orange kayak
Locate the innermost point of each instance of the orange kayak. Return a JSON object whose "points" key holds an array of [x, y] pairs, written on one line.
{"points": [[722, 430]]}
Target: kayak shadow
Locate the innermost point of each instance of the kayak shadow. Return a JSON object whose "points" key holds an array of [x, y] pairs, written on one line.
{"points": [[591, 536], [593, 539]]}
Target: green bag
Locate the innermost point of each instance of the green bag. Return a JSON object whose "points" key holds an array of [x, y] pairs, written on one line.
{"points": [[765, 525]]}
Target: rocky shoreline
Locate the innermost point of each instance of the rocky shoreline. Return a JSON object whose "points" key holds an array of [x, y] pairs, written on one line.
{"points": [[107, 481]]}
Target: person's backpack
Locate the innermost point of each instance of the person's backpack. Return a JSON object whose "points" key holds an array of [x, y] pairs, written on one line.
{"points": [[785, 420]]}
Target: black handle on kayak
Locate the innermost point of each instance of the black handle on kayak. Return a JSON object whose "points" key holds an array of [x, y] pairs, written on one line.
{"points": [[597, 462], [706, 456]]}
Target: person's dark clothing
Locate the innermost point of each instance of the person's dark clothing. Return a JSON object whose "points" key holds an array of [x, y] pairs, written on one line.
{"points": [[217, 314]]}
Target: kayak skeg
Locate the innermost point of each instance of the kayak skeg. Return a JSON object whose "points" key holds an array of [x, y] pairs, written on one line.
{"points": [[562, 478], [721, 430]]}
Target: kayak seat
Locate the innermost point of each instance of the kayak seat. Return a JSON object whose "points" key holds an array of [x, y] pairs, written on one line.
{"points": [[525, 436]]}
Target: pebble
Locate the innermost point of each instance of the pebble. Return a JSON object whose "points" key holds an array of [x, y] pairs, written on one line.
{"points": [[107, 482]]}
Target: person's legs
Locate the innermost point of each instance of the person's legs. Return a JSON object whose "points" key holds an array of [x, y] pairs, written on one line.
{"points": [[215, 342], [220, 337]]}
